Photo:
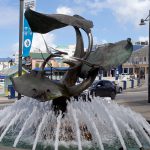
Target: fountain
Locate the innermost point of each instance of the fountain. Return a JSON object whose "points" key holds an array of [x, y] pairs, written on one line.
{"points": [[100, 124], [49, 116]]}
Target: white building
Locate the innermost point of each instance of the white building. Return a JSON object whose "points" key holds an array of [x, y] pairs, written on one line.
{"points": [[5, 63], [70, 49]]}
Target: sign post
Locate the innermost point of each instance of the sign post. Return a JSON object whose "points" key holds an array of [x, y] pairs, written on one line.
{"points": [[27, 42], [20, 41]]}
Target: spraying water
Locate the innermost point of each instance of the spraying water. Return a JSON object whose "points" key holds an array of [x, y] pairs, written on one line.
{"points": [[57, 131], [38, 132], [10, 124], [116, 128], [23, 128], [96, 132], [77, 128], [100, 124]]}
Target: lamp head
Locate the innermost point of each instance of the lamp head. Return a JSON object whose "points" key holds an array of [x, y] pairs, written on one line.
{"points": [[142, 22]]}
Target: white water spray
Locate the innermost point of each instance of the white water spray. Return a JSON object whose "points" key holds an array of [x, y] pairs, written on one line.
{"points": [[39, 131], [98, 116], [57, 131], [23, 128], [10, 124], [116, 128], [95, 129], [77, 128]]}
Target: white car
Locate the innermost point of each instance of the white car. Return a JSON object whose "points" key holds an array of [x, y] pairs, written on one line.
{"points": [[118, 87], [125, 76]]}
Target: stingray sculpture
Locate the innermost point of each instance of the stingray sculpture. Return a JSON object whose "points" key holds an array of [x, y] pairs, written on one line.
{"points": [[83, 64]]}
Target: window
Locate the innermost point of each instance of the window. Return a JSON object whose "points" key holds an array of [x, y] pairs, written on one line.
{"points": [[37, 65], [141, 59], [108, 84], [125, 70], [130, 70], [100, 84]]}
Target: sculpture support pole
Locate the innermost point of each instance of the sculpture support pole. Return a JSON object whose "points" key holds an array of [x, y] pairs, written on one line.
{"points": [[20, 41]]}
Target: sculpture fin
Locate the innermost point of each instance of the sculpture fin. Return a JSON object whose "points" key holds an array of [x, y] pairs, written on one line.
{"points": [[108, 56]]}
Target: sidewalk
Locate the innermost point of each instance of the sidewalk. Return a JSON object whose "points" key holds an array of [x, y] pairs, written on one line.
{"points": [[142, 107], [5, 100], [143, 87]]}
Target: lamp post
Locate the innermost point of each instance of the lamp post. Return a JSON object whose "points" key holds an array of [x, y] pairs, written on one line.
{"points": [[51, 72], [20, 41], [143, 23]]}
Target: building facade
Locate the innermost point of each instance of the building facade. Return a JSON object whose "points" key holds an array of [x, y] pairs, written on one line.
{"points": [[38, 58], [70, 49], [6, 63], [138, 63]]}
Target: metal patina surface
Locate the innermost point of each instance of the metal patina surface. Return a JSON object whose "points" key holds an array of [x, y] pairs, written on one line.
{"points": [[83, 64]]}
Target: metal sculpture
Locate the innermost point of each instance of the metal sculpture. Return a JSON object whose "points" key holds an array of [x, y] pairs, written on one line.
{"points": [[83, 64]]}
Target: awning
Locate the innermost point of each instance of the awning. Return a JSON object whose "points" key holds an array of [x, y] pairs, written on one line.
{"points": [[53, 68], [2, 77]]}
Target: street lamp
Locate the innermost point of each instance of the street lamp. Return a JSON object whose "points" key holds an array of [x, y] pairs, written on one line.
{"points": [[143, 23], [51, 71]]}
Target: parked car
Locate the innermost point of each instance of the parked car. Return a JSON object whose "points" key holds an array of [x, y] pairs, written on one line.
{"points": [[125, 76], [118, 87], [103, 88]]}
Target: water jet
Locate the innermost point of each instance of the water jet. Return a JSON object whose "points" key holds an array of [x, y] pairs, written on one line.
{"points": [[100, 124]]}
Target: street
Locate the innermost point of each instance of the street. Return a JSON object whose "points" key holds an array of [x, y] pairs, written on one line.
{"points": [[137, 100], [134, 95]]}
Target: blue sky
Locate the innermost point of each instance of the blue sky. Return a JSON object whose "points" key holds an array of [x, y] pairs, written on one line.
{"points": [[113, 20]]}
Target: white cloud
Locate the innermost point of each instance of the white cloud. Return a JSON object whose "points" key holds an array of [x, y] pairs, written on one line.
{"points": [[8, 16], [90, 6], [129, 11], [143, 38], [104, 41], [64, 10], [95, 6], [38, 42], [96, 41], [124, 10], [15, 48]]}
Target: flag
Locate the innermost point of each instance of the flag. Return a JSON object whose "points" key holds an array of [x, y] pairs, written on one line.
{"points": [[28, 35]]}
